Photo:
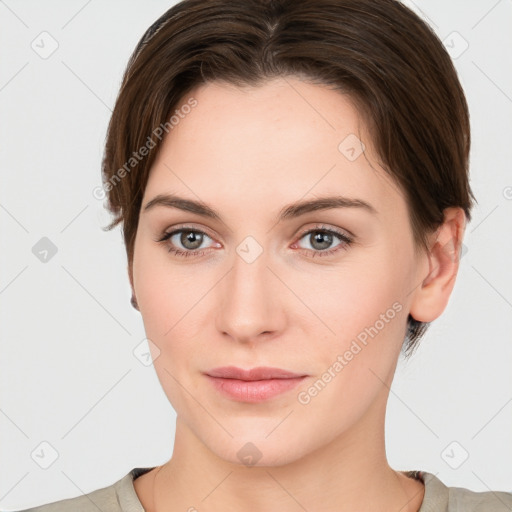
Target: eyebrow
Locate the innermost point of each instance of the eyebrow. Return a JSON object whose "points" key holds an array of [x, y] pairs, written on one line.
{"points": [[290, 211]]}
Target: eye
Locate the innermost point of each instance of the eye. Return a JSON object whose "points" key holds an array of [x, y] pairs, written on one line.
{"points": [[187, 237], [321, 238], [192, 241]]}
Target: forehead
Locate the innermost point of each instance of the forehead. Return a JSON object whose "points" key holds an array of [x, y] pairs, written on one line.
{"points": [[278, 142], [282, 112]]}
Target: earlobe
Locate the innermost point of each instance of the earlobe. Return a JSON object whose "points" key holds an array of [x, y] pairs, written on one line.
{"points": [[433, 292]]}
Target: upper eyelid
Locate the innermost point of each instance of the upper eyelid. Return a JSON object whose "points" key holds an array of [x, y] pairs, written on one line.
{"points": [[187, 227]]}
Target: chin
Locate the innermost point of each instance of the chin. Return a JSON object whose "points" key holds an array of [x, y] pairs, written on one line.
{"points": [[255, 448]]}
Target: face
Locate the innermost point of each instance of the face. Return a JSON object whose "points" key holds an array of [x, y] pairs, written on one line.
{"points": [[323, 293]]}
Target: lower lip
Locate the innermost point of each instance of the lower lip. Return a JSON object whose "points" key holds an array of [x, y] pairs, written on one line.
{"points": [[256, 390]]}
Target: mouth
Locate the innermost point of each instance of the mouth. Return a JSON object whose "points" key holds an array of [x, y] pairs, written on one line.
{"points": [[254, 385]]}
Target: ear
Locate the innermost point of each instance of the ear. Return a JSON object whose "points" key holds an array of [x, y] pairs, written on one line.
{"points": [[432, 294], [133, 299], [129, 268]]}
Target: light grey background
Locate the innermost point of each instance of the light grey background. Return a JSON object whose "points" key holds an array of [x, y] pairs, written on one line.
{"points": [[68, 376]]}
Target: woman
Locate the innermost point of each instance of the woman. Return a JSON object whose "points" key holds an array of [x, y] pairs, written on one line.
{"points": [[292, 181]]}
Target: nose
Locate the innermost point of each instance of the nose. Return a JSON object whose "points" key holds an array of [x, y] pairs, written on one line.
{"points": [[250, 301]]}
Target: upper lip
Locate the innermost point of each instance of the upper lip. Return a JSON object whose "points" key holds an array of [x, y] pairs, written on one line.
{"points": [[259, 373]]}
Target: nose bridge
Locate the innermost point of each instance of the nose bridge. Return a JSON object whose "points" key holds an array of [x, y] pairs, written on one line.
{"points": [[248, 302]]}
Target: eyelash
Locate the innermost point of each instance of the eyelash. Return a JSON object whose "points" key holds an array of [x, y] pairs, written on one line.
{"points": [[347, 241]]}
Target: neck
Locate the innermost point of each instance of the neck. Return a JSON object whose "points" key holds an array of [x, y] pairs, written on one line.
{"points": [[349, 473]]}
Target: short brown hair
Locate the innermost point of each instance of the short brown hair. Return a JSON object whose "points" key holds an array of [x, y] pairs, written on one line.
{"points": [[378, 52]]}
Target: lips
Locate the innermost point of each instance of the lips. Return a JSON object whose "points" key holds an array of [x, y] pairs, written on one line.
{"points": [[259, 373], [254, 385]]}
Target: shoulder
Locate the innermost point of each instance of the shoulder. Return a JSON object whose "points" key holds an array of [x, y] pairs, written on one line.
{"points": [[103, 499], [440, 497], [472, 501], [112, 498]]}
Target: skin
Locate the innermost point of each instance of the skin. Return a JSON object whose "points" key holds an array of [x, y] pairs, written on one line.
{"points": [[248, 152]]}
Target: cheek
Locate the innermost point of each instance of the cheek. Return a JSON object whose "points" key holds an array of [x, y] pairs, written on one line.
{"points": [[170, 298], [364, 306], [161, 287], [366, 290], [365, 310], [164, 296]]}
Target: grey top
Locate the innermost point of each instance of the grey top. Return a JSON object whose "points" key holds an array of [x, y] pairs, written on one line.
{"points": [[121, 497]]}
